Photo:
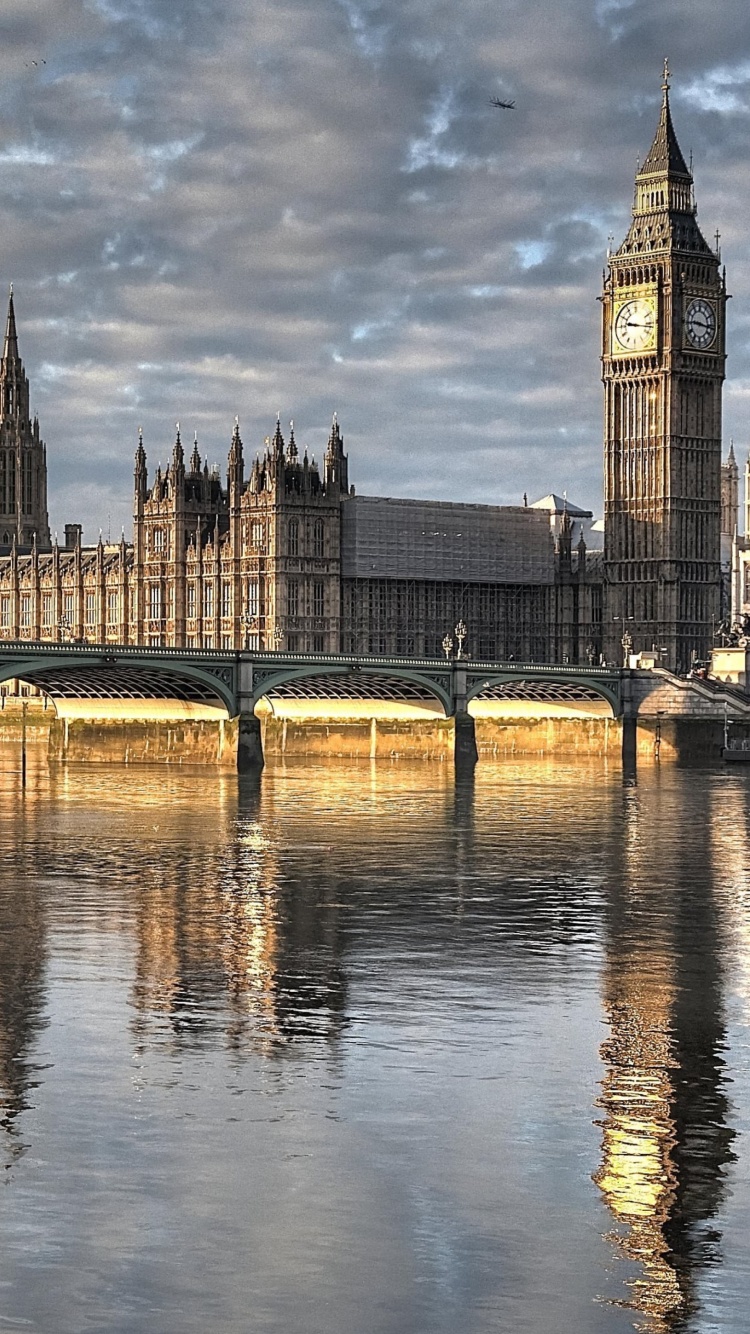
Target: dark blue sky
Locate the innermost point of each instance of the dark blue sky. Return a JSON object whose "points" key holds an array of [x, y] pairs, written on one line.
{"points": [[223, 206]]}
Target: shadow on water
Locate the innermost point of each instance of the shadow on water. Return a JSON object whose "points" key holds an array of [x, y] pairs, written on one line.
{"points": [[666, 1142]]}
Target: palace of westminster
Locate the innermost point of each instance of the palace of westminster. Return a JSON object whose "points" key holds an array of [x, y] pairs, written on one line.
{"points": [[287, 556]]}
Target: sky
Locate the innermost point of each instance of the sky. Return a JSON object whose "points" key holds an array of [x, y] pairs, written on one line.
{"points": [[212, 208]]}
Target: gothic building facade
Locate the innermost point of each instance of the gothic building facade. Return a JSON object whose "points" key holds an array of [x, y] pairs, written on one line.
{"points": [[663, 357], [288, 557]]}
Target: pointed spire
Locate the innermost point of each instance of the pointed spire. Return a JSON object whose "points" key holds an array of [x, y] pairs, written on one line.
{"points": [[665, 155], [140, 453], [235, 450], [10, 346], [178, 454], [278, 439], [731, 458], [195, 458], [292, 442]]}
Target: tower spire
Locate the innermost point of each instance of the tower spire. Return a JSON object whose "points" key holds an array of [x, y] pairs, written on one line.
{"points": [[665, 155], [10, 346]]}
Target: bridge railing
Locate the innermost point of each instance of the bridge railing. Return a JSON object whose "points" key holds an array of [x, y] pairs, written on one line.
{"points": [[477, 666]]}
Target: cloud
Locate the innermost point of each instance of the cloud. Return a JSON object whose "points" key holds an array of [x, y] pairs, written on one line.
{"points": [[215, 207]]}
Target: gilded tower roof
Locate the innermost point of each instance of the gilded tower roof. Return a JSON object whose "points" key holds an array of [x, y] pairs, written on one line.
{"points": [[664, 208], [665, 155]]}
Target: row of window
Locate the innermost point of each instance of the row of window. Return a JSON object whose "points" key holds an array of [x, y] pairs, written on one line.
{"points": [[8, 482], [255, 534], [159, 606], [91, 610], [294, 544]]}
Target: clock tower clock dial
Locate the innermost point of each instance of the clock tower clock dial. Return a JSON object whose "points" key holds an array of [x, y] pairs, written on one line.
{"points": [[663, 366], [635, 326], [700, 323]]}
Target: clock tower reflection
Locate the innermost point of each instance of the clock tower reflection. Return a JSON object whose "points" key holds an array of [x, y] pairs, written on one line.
{"points": [[665, 1139]]}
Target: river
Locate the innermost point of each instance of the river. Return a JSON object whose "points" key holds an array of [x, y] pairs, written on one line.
{"points": [[351, 1050]]}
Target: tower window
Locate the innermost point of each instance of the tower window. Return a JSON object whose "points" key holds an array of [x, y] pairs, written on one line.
{"points": [[293, 537], [292, 598], [318, 538], [226, 598]]}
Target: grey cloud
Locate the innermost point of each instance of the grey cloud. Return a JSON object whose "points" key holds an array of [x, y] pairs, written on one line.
{"points": [[210, 208]]}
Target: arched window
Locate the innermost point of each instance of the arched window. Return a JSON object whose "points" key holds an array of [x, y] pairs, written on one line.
{"points": [[319, 539], [293, 537]]}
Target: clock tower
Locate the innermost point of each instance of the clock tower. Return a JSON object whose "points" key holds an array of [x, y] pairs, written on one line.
{"points": [[663, 357]]}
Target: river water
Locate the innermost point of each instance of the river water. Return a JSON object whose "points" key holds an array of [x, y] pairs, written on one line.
{"points": [[352, 1051]]}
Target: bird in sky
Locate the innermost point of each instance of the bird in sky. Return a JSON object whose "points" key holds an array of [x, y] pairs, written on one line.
{"points": [[504, 106]]}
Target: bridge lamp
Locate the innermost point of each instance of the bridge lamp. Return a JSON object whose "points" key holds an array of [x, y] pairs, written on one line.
{"points": [[278, 635], [248, 623], [460, 633], [447, 646], [64, 626]]}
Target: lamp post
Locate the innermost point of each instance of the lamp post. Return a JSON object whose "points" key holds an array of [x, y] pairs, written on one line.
{"points": [[64, 628], [278, 635], [627, 639], [447, 646], [247, 623], [460, 633]]}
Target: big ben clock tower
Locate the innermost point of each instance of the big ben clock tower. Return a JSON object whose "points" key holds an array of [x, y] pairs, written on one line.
{"points": [[663, 366]]}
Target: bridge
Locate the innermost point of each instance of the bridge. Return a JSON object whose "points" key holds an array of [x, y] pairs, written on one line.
{"points": [[235, 683]]}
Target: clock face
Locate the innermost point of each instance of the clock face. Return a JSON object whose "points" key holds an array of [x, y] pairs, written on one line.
{"points": [[700, 323], [635, 325]]}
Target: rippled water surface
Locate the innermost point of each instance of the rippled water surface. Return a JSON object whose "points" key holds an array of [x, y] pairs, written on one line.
{"points": [[352, 1051]]}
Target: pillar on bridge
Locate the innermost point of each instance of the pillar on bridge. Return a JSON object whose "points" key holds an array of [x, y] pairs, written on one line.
{"points": [[629, 723], [249, 744], [249, 737], [465, 753]]}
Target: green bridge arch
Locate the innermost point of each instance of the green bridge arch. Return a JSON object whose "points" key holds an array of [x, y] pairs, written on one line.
{"points": [[548, 676], [270, 679], [114, 666]]}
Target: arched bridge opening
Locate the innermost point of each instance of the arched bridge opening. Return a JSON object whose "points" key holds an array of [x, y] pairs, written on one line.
{"points": [[542, 698], [352, 695], [110, 687]]}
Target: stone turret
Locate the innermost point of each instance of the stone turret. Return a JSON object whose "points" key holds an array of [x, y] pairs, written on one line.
{"points": [[23, 459]]}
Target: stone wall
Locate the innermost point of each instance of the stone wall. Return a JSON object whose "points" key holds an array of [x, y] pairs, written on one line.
{"points": [[361, 738], [499, 737], [130, 741]]}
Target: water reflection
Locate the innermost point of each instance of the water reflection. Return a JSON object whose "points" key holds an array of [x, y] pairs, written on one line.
{"points": [[223, 940], [441, 949], [666, 1142]]}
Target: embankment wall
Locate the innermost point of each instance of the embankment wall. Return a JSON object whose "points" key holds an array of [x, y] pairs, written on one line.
{"points": [[151, 741]]}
